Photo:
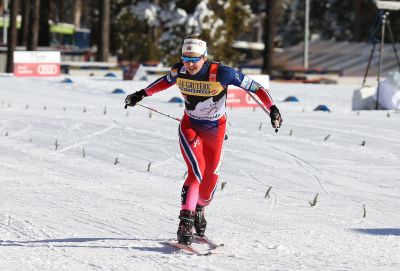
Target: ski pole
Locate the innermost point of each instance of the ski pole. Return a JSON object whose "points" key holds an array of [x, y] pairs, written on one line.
{"points": [[265, 110], [161, 113]]}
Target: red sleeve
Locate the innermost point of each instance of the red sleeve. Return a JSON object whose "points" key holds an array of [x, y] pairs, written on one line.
{"points": [[165, 81], [264, 96], [157, 86]]}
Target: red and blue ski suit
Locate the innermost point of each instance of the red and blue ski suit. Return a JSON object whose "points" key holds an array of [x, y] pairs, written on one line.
{"points": [[202, 128]]}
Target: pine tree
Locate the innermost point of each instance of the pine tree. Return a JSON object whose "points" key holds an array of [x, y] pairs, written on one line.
{"points": [[133, 33], [160, 33], [236, 20], [338, 22]]}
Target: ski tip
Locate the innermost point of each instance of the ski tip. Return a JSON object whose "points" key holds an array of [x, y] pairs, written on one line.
{"points": [[206, 240], [188, 249]]}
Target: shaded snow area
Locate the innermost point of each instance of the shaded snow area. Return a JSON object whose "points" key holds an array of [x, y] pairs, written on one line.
{"points": [[88, 185]]}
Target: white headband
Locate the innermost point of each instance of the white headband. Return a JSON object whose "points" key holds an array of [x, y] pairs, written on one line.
{"points": [[194, 46]]}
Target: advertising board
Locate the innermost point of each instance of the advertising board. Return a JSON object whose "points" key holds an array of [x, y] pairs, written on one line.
{"points": [[36, 63]]}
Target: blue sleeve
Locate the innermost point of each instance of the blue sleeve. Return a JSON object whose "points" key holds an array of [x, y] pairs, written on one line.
{"points": [[229, 76]]}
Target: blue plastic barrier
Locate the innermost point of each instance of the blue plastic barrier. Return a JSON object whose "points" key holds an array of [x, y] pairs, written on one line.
{"points": [[118, 91], [291, 99], [175, 100], [322, 107], [110, 74], [67, 81]]}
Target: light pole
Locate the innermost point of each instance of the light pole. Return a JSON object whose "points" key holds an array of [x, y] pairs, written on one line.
{"points": [[306, 34], [381, 49]]}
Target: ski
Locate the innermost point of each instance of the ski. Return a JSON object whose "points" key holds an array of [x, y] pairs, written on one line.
{"points": [[206, 240], [188, 248]]}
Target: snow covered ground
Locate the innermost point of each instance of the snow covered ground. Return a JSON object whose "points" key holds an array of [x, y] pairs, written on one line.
{"points": [[60, 210]]}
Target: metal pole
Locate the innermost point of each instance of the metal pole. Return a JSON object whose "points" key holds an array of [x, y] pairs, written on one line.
{"points": [[5, 15], [161, 113], [306, 34], [381, 49], [369, 64]]}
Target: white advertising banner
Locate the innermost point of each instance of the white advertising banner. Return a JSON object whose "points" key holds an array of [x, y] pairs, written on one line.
{"points": [[37, 63]]}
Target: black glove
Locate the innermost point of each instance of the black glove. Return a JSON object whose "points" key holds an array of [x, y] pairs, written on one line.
{"points": [[276, 118], [134, 98]]}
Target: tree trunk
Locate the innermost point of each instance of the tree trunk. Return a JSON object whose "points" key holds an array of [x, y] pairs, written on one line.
{"points": [[12, 35], [77, 13], [23, 33], [269, 35], [61, 15], [357, 20], [33, 33], [44, 27], [104, 31], [53, 10], [86, 14]]}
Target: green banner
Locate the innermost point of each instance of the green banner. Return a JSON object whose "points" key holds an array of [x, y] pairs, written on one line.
{"points": [[8, 22], [62, 28]]}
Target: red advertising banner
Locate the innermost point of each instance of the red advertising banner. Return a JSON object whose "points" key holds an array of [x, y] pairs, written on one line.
{"points": [[37, 63], [35, 69], [238, 97]]}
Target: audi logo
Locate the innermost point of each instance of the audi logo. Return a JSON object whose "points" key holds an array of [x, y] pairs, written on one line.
{"points": [[47, 69]]}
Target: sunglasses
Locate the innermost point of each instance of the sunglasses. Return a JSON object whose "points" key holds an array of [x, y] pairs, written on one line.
{"points": [[191, 59]]}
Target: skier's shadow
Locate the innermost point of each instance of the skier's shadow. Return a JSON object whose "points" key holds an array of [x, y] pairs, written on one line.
{"points": [[79, 243], [380, 231]]}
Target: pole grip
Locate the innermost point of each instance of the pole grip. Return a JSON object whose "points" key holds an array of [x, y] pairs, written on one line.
{"points": [[277, 126]]}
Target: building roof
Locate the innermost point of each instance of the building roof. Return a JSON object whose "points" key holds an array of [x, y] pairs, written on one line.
{"points": [[350, 58]]}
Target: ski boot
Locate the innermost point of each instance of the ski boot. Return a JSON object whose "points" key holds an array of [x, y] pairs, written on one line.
{"points": [[184, 233], [200, 222]]}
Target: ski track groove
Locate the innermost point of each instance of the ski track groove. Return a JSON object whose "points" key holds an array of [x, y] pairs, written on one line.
{"points": [[85, 217], [310, 170], [349, 133], [17, 226], [21, 226], [21, 132], [263, 186], [245, 155], [3, 124], [294, 161], [245, 172], [128, 154], [84, 140], [69, 131], [101, 225], [176, 157]]}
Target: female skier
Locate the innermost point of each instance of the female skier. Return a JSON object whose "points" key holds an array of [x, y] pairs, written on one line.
{"points": [[203, 85]]}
